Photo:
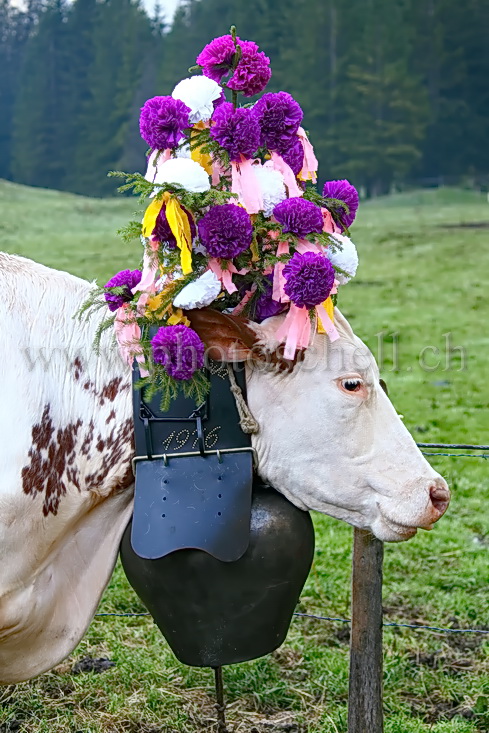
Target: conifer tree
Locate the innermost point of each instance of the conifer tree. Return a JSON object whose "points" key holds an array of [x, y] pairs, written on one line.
{"points": [[80, 32], [39, 116], [391, 90], [120, 43]]}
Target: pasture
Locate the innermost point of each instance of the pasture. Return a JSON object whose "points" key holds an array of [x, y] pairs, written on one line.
{"points": [[424, 273]]}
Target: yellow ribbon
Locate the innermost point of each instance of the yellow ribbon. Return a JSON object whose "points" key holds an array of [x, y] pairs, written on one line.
{"points": [[178, 317], [204, 159], [329, 307], [178, 222], [255, 255], [180, 227], [150, 216], [154, 302]]}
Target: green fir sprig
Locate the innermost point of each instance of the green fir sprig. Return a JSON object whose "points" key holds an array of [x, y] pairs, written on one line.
{"points": [[132, 230]]}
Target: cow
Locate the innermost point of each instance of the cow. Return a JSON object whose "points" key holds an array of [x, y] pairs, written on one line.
{"points": [[328, 438]]}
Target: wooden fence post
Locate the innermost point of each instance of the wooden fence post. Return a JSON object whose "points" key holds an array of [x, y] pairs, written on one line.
{"points": [[365, 692]]}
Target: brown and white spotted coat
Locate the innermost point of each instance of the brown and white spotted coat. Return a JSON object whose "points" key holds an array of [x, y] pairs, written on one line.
{"points": [[65, 467]]}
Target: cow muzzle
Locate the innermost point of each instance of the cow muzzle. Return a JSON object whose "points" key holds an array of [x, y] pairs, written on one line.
{"points": [[396, 525]]}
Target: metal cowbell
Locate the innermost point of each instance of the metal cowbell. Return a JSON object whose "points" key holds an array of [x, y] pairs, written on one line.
{"points": [[214, 613]]}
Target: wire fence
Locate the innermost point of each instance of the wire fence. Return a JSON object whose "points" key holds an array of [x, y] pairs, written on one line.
{"points": [[455, 446], [385, 624]]}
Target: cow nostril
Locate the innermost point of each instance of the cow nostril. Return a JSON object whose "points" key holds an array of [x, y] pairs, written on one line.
{"points": [[440, 498]]}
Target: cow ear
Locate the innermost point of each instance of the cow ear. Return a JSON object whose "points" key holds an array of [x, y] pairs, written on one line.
{"points": [[342, 324], [226, 337]]}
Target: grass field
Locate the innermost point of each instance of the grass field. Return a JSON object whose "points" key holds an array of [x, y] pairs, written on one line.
{"points": [[424, 273]]}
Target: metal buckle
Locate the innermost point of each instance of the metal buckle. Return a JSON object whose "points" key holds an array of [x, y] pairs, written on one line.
{"points": [[166, 456]]}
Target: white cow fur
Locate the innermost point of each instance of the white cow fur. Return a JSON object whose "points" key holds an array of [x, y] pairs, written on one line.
{"points": [[54, 568], [344, 454]]}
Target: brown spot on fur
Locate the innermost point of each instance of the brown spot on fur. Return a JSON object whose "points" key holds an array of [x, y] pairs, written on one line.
{"points": [[111, 390], [87, 441], [53, 460], [125, 481], [77, 367], [115, 446], [48, 459], [110, 417]]}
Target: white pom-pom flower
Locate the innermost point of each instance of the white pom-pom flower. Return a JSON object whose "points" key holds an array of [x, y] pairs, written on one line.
{"points": [[272, 186], [183, 172], [198, 93], [199, 293], [345, 258], [183, 151]]}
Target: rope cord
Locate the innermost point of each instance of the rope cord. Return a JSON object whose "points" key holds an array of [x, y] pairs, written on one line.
{"points": [[246, 420]]}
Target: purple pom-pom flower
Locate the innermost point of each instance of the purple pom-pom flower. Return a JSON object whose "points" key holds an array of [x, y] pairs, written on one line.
{"points": [[343, 191], [162, 231], [294, 156], [266, 306], [179, 349], [299, 216], [162, 122], [225, 231], [309, 279], [216, 58], [127, 279], [217, 102], [279, 116], [236, 130], [252, 73]]}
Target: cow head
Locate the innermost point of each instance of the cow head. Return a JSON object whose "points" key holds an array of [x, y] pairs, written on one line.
{"points": [[329, 438]]}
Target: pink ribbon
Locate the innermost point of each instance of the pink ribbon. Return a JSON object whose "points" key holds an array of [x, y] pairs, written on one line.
{"points": [[290, 180], [152, 169], [278, 292], [310, 165], [329, 225], [295, 330], [245, 184], [128, 334], [328, 324], [150, 270], [127, 331], [304, 246], [217, 172], [239, 308], [225, 276]]}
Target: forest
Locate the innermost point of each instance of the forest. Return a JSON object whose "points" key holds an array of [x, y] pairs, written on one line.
{"points": [[394, 92]]}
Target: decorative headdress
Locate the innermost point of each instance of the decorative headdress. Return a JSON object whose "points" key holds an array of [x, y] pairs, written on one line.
{"points": [[234, 222]]}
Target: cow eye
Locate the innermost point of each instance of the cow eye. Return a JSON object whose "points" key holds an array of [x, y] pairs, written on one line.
{"points": [[352, 385]]}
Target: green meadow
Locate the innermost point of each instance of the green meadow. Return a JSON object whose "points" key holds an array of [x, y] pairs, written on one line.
{"points": [[420, 301]]}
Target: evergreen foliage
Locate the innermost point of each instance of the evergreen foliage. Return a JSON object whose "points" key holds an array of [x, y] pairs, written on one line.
{"points": [[392, 90]]}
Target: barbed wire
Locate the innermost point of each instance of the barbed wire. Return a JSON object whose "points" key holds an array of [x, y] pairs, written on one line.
{"points": [[423, 627], [484, 456], [455, 446], [387, 624], [463, 446]]}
